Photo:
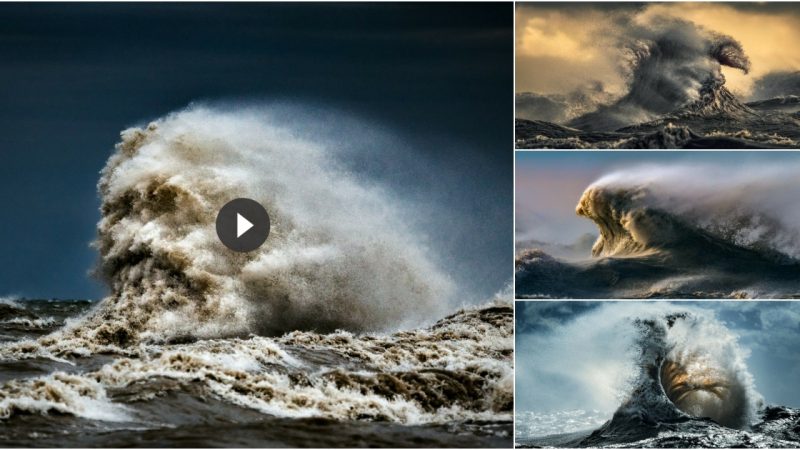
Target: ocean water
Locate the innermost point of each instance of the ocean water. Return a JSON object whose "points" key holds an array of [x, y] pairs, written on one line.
{"points": [[677, 231], [677, 376], [343, 329], [675, 98], [446, 385]]}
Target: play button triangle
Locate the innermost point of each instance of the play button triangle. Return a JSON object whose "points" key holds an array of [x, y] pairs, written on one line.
{"points": [[242, 225]]}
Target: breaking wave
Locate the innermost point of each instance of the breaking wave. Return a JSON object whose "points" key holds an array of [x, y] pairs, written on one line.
{"points": [[691, 365], [340, 254], [684, 376], [776, 85], [656, 209], [561, 108], [680, 231], [674, 66], [303, 329], [674, 97], [9, 308]]}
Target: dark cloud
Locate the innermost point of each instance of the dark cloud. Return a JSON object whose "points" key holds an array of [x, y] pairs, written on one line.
{"points": [[760, 7], [538, 317], [776, 84], [586, 6]]}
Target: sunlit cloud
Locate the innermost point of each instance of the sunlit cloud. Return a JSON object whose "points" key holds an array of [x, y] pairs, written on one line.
{"points": [[561, 49]]}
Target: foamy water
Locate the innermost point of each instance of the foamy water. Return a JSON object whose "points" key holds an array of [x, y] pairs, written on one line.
{"points": [[340, 317], [459, 369]]}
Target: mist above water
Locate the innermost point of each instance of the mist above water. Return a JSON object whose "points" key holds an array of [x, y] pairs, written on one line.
{"points": [[339, 255]]}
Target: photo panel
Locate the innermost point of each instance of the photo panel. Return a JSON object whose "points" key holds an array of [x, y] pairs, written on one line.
{"points": [[256, 225], [604, 224], [674, 75], [657, 374]]}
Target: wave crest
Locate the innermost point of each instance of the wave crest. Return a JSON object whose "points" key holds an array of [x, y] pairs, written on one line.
{"points": [[689, 373], [694, 366], [338, 256], [660, 209], [673, 66]]}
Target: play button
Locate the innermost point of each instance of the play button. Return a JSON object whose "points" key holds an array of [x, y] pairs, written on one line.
{"points": [[242, 225]]}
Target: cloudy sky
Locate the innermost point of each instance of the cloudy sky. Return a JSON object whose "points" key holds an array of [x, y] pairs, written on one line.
{"points": [[569, 355], [564, 47], [434, 78]]}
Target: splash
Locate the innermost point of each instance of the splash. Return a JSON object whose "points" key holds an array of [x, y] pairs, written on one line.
{"points": [[560, 108], [672, 66], [339, 255], [627, 371], [692, 365], [690, 375], [660, 209]]}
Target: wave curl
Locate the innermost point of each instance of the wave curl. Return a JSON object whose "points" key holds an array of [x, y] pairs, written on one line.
{"points": [[339, 254]]}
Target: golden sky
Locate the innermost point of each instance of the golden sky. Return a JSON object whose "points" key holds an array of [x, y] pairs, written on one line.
{"points": [[562, 47]]}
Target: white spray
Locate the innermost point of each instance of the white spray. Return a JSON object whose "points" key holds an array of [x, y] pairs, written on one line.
{"points": [[749, 206], [340, 254], [601, 361]]}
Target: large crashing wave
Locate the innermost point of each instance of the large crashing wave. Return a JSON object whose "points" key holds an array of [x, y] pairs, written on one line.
{"points": [[689, 369], [673, 95], [661, 209], [680, 231], [339, 255], [655, 368], [692, 365], [673, 66]]}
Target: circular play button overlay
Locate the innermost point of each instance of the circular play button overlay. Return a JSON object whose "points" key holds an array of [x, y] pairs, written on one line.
{"points": [[242, 225]]}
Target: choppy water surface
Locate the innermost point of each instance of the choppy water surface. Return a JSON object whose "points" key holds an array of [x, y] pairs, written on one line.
{"points": [[447, 385]]}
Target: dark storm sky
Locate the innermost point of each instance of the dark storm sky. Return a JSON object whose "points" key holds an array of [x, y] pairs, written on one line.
{"points": [[74, 75]]}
